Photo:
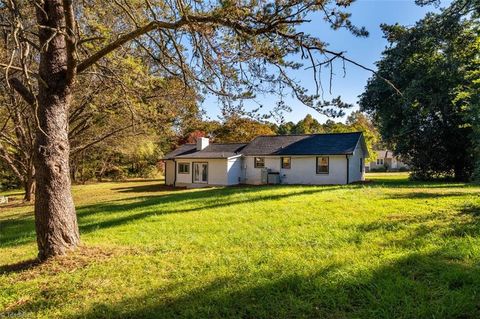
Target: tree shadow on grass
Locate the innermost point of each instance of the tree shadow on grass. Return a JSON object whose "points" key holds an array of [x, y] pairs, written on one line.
{"points": [[406, 183], [421, 284], [116, 213], [194, 201], [416, 286], [428, 284], [147, 188], [20, 266], [423, 195]]}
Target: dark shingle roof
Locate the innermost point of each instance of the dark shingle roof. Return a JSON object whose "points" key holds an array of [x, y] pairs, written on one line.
{"points": [[181, 150], [312, 144], [214, 150]]}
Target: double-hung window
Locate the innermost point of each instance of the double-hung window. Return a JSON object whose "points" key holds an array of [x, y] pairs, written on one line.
{"points": [[286, 162], [322, 165], [183, 168], [259, 162]]}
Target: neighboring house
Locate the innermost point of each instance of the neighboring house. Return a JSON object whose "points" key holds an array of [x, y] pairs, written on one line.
{"points": [[271, 159], [386, 160]]}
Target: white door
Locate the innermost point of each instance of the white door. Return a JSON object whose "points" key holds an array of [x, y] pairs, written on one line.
{"points": [[200, 172]]}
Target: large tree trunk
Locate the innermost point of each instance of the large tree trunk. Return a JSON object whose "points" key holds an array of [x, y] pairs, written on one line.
{"points": [[55, 217]]}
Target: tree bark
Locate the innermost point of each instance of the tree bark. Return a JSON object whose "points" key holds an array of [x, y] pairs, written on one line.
{"points": [[29, 185], [55, 216]]}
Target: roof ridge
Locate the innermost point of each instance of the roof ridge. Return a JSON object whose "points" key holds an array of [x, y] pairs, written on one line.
{"points": [[228, 143], [311, 134]]}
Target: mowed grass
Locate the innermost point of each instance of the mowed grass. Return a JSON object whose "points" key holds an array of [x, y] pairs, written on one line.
{"points": [[386, 249]]}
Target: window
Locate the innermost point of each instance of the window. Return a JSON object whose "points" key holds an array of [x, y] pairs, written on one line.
{"points": [[322, 165], [183, 168], [286, 162], [361, 165], [259, 162], [379, 161]]}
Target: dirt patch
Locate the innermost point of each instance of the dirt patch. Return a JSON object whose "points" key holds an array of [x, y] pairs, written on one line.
{"points": [[80, 258]]}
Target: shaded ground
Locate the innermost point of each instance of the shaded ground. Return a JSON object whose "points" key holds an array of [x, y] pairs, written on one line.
{"points": [[387, 249]]}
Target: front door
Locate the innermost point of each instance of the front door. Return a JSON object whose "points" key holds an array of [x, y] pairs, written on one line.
{"points": [[200, 172]]}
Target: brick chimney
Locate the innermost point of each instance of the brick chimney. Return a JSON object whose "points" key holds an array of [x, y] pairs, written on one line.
{"points": [[202, 142]]}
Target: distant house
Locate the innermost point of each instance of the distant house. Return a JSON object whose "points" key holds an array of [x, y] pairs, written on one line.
{"points": [[269, 159], [386, 160]]}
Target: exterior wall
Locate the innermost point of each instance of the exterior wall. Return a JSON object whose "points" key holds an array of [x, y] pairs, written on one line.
{"points": [[355, 174], [234, 170], [393, 163], [302, 171], [253, 175], [169, 172], [217, 172]]}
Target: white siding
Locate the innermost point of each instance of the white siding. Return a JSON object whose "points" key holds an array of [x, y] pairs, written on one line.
{"points": [[254, 175], [302, 171], [234, 170], [169, 172], [217, 172], [355, 174]]}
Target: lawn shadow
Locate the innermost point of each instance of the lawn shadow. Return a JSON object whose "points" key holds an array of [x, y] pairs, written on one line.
{"points": [[422, 284], [20, 266], [423, 195], [416, 286], [407, 183], [205, 199], [22, 230], [147, 188]]}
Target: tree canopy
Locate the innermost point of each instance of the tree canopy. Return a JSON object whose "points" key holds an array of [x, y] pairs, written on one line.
{"points": [[435, 65]]}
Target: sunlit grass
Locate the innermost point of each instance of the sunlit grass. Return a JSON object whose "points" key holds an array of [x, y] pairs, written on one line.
{"points": [[386, 249]]}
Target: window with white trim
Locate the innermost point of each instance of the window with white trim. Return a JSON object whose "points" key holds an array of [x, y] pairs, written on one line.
{"points": [[323, 165], [286, 162], [259, 162], [183, 168]]}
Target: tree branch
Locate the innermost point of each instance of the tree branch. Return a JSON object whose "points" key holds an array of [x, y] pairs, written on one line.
{"points": [[81, 148], [189, 19], [22, 90]]}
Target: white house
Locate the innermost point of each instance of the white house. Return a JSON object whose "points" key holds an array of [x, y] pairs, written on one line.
{"points": [[386, 160], [314, 159]]}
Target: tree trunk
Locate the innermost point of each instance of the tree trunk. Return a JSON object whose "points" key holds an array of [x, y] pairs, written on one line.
{"points": [[55, 217], [29, 185]]}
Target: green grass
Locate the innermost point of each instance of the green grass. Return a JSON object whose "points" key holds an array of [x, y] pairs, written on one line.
{"points": [[386, 249]]}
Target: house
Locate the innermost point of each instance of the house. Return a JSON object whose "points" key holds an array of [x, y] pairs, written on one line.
{"points": [[386, 160], [269, 159]]}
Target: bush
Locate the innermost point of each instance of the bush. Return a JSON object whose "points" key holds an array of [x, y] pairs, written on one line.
{"points": [[115, 173], [8, 180], [378, 169]]}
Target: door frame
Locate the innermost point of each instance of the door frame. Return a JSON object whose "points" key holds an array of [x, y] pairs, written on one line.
{"points": [[193, 172]]}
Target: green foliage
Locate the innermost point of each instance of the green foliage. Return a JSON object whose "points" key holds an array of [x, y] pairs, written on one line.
{"points": [[430, 125], [392, 248], [240, 129], [8, 180]]}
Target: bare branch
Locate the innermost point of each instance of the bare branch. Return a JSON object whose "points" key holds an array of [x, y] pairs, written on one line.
{"points": [[21, 89]]}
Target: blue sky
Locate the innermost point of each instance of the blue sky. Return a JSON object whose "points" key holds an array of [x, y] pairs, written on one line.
{"points": [[368, 13]]}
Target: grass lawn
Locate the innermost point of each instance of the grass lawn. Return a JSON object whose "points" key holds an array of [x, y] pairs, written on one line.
{"points": [[386, 249]]}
